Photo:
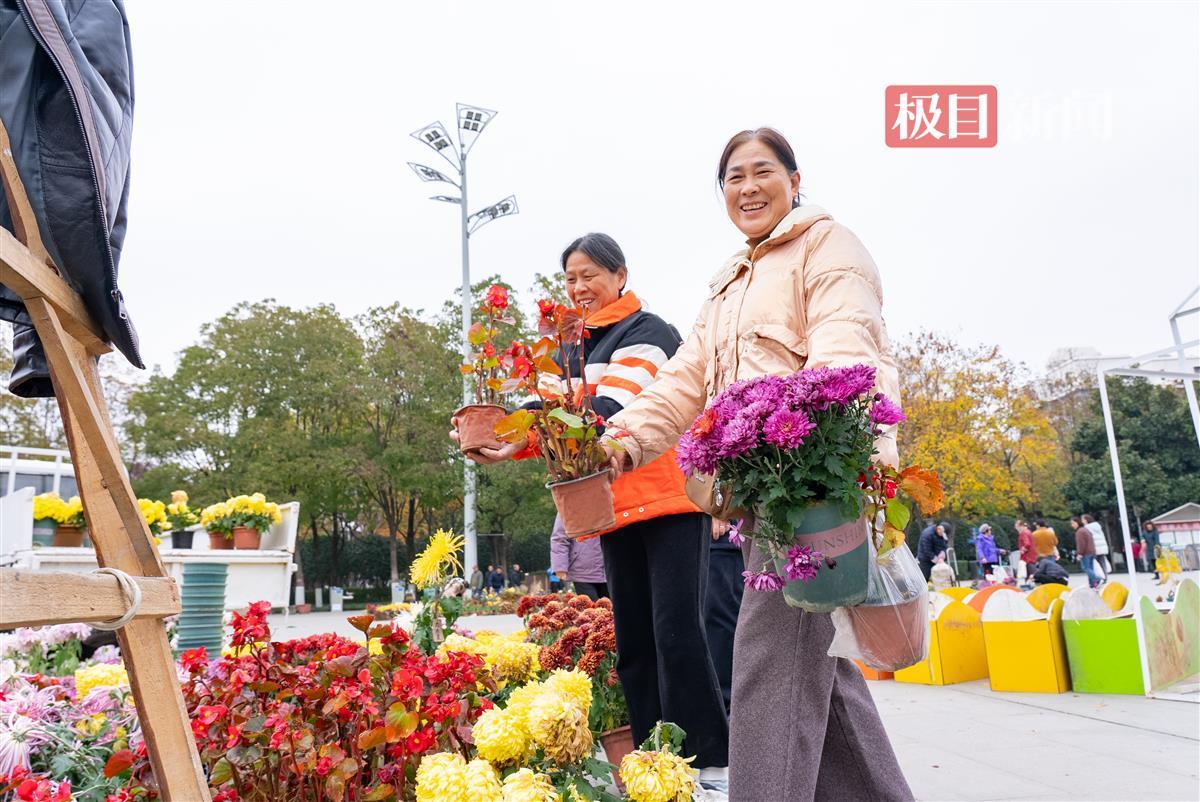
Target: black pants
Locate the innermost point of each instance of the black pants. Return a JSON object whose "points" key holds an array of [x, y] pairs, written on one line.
{"points": [[722, 601], [593, 590], [926, 568], [657, 572]]}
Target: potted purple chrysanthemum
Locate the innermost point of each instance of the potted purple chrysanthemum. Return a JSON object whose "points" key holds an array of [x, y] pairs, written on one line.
{"points": [[793, 452]]}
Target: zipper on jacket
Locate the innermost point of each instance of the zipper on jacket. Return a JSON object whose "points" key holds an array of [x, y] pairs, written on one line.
{"points": [[112, 265]]}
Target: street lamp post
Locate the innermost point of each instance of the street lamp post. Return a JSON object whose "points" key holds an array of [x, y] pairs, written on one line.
{"points": [[471, 122]]}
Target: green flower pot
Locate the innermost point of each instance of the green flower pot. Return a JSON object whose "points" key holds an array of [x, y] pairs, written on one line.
{"points": [[843, 539], [43, 532]]}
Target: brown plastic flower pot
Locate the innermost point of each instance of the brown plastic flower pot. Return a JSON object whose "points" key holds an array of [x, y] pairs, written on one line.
{"points": [[218, 542], [891, 636], [68, 536], [246, 537], [586, 505], [477, 426], [617, 744]]}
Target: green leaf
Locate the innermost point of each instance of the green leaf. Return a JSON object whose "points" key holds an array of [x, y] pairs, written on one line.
{"points": [[222, 772], [380, 793], [897, 513], [566, 418]]}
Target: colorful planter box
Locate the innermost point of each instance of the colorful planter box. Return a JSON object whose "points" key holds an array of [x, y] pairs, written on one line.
{"points": [[1103, 656], [1026, 651], [956, 649], [870, 673]]}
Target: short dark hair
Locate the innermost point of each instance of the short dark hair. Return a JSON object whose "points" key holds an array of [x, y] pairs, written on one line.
{"points": [[1075, 520], [770, 137], [600, 248], [1087, 519], [1041, 522]]}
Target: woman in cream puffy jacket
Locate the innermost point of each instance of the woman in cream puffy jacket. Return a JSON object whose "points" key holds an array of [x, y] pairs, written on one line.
{"points": [[804, 293]]}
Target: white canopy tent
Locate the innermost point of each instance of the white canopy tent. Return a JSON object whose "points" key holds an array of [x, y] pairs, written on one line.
{"points": [[1188, 372]]}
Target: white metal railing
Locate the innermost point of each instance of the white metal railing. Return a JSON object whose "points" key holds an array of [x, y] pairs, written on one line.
{"points": [[14, 464]]}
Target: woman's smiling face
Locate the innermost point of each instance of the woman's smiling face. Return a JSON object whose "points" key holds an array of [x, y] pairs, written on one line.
{"points": [[590, 285], [758, 189]]}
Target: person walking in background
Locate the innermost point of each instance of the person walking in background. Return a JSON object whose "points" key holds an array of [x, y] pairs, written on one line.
{"points": [[580, 562], [1027, 549], [495, 579], [1103, 566], [1150, 546], [932, 542], [553, 580], [723, 601], [515, 576], [476, 582], [1085, 550], [986, 553], [1045, 542]]}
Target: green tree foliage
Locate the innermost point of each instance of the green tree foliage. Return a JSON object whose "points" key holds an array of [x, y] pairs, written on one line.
{"points": [[1160, 459]]}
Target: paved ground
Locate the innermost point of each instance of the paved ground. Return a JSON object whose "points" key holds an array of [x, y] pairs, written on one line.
{"points": [[965, 742]]}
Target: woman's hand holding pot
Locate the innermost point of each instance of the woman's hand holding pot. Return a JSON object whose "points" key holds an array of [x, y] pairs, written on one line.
{"points": [[485, 456]]}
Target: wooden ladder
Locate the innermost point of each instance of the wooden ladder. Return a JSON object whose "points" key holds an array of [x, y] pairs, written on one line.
{"points": [[73, 343]]}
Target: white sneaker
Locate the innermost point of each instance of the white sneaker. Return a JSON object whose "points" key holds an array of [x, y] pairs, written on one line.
{"points": [[704, 794]]}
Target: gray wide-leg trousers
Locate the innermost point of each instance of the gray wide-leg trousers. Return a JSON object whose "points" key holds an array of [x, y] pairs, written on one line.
{"points": [[803, 725]]}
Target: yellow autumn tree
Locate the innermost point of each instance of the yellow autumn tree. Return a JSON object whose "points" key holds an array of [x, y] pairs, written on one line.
{"points": [[973, 417]]}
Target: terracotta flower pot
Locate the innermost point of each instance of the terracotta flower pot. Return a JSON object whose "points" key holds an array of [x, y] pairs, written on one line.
{"points": [[303, 609], [617, 744], [841, 540], [586, 505], [218, 542], [476, 426], [68, 536], [246, 537], [891, 637]]}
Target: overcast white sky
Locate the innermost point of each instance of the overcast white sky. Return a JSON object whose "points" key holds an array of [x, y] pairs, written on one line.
{"points": [[271, 138]]}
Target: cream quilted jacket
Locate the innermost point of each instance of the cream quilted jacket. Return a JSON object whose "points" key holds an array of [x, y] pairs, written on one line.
{"points": [[808, 296]]}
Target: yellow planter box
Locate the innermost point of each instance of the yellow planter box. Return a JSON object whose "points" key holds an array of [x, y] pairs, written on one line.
{"points": [[956, 649], [1027, 655]]}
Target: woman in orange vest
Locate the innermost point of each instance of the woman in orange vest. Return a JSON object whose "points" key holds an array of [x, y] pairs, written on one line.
{"points": [[656, 559]]}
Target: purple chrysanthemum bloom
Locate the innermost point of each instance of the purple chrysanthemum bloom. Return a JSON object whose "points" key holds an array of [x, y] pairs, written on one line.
{"points": [[696, 456], [765, 581], [739, 436], [885, 412], [768, 389], [801, 563], [843, 385], [786, 428], [735, 532]]}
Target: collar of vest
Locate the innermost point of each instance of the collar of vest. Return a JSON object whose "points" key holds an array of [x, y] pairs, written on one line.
{"points": [[615, 312]]}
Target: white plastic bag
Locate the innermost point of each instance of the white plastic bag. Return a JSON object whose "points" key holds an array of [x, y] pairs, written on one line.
{"points": [[890, 629]]}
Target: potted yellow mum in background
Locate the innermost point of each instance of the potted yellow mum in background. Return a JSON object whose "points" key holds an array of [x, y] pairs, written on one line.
{"points": [[240, 521], [183, 520]]}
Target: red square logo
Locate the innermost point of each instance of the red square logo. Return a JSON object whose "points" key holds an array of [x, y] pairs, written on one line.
{"points": [[951, 116]]}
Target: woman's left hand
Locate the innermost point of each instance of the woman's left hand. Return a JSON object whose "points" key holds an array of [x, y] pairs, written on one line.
{"points": [[719, 528]]}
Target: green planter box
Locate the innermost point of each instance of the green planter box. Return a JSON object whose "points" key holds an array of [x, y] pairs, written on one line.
{"points": [[1103, 656]]}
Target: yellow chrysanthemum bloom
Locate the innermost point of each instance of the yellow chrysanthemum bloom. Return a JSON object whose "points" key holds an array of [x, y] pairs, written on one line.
{"points": [[512, 662], [101, 675], [483, 784], [460, 643], [50, 507], [440, 778], [500, 736], [526, 786], [657, 777], [574, 684], [560, 727], [92, 724], [179, 497], [523, 698], [438, 559]]}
